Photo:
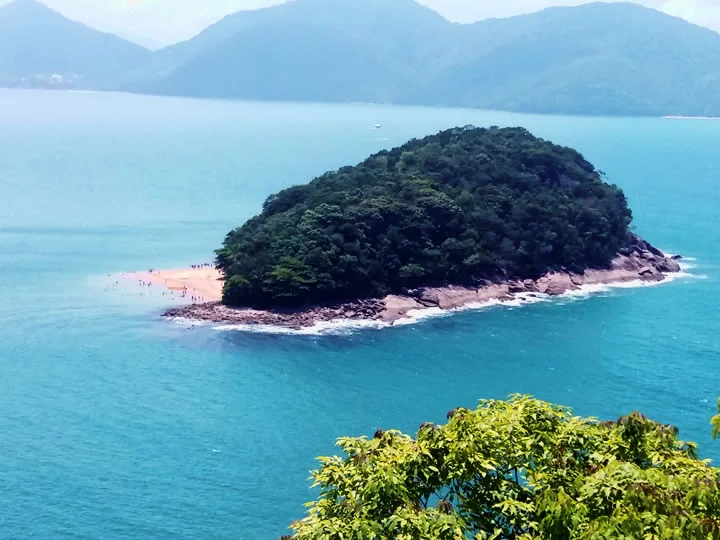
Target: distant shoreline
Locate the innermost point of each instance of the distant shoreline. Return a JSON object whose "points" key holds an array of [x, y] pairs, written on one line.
{"points": [[396, 104], [692, 117], [643, 264]]}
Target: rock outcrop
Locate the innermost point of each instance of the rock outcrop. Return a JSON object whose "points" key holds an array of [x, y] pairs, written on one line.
{"points": [[639, 261]]}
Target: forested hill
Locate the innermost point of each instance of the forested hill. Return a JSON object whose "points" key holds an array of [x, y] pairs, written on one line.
{"points": [[457, 207], [594, 59], [39, 47], [602, 58]]}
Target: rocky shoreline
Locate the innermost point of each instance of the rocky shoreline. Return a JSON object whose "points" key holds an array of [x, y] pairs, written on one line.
{"points": [[640, 261]]}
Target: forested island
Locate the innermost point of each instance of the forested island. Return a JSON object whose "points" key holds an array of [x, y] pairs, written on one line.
{"points": [[460, 217]]}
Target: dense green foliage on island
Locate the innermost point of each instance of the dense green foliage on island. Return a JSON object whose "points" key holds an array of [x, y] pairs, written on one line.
{"points": [[517, 469], [464, 205]]}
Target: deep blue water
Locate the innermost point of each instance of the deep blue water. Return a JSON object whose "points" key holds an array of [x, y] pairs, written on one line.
{"points": [[117, 424]]}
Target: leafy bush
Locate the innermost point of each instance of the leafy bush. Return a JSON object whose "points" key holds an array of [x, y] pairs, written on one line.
{"points": [[461, 206], [516, 469]]}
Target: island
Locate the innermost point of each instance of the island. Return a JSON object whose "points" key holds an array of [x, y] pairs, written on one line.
{"points": [[461, 218]]}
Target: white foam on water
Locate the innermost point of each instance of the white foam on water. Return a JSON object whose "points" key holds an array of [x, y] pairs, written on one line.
{"points": [[184, 321], [682, 275], [520, 299], [593, 289], [416, 315], [523, 299], [587, 290], [326, 328]]}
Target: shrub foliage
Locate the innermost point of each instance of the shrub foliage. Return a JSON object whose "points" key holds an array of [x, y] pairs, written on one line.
{"points": [[517, 469]]}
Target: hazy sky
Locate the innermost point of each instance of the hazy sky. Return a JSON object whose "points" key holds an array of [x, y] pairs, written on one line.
{"points": [[161, 22]]}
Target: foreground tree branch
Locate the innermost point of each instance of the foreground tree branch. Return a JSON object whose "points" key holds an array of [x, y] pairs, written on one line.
{"points": [[515, 469]]}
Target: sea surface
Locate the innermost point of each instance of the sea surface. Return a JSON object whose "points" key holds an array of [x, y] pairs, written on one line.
{"points": [[115, 423]]}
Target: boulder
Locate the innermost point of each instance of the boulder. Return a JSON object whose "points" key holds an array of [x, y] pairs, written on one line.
{"points": [[669, 266], [646, 271], [542, 285], [642, 245], [517, 287], [428, 297], [558, 283]]}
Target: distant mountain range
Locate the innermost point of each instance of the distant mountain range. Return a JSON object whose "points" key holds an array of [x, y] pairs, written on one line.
{"points": [[41, 48], [599, 59]]}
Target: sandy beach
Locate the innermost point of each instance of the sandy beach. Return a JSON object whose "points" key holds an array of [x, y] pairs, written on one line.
{"points": [[200, 284]]}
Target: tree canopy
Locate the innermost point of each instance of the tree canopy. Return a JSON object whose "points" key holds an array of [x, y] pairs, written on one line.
{"points": [[458, 207], [516, 469]]}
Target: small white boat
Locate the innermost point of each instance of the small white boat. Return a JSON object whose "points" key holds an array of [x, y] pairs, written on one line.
{"points": [[377, 126]]}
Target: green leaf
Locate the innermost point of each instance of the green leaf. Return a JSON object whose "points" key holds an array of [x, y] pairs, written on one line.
{"points": [[520, 468]]}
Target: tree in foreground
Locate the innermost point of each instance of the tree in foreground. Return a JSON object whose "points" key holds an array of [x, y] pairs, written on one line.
{"points": [[517, 469]]}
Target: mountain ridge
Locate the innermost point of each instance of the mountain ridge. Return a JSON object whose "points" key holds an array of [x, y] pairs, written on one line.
{"points": [[41, 47], [589, 59], [618, 59]]}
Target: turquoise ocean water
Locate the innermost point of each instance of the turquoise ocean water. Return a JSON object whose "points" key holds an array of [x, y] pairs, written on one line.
{"points": [[117, 424]]}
